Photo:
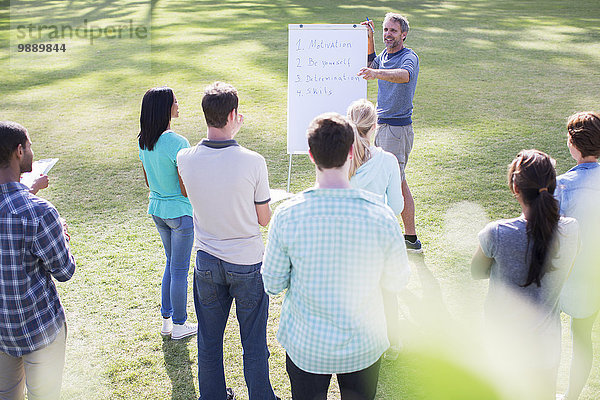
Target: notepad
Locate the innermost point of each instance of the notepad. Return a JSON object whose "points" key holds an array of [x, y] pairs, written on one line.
{"points": [[39, 167]]}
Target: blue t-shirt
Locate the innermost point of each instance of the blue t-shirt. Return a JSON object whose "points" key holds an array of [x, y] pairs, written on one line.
{"points": [[160, 164], [395, 100]]}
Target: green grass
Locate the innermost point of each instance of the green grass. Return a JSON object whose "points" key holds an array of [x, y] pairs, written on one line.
{"points": [[496, 77]]}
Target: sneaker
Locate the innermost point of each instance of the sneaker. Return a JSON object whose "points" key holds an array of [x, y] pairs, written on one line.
{"points": [[184, 330], [167, 326], [413, 247], [230, 394]]}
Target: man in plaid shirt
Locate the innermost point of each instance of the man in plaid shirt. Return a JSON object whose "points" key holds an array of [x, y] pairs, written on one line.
{"points": [[333, 248], [33, 249]]}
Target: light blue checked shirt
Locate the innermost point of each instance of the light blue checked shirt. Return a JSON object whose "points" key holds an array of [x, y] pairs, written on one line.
{"points": [[333, 250]]}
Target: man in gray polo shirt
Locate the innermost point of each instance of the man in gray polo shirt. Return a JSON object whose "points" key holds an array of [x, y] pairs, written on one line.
{"points": [[228, 187], [396, 68]]}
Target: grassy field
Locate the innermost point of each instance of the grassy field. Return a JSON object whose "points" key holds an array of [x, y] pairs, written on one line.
{"points": [[496, 77]]}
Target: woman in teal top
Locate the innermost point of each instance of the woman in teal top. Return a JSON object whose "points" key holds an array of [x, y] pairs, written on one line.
{"points": [[169, 206]]}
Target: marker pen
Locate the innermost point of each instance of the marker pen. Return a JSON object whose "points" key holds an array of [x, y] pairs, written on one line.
{"points": [[372, 30]]}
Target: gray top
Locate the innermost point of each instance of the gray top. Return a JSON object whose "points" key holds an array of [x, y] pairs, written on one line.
{"points": [[225, 182], [532, 310]]}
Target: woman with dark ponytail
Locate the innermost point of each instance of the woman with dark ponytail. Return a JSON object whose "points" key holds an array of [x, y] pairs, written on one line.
{"points": [[527, 260], [532, 179]]}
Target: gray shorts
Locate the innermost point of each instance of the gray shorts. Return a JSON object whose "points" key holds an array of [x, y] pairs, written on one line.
{"points": [[397, 140]]}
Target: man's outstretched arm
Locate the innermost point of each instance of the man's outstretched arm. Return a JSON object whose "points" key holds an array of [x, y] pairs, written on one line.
{"points": [[398, 75]]}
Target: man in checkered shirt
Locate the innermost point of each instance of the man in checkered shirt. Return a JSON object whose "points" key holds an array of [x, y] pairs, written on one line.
{"points": [[333, 248], [33, 249]]}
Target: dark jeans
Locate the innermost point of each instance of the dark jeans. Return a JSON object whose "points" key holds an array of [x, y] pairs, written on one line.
{"points": [[216, 284], [359, 385]]}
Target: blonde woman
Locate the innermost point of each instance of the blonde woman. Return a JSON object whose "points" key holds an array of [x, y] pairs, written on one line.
{"points": [[376, 171], [372, 168]]}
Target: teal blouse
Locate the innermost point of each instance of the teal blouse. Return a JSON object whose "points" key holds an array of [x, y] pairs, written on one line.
{"points": [[160, 164]]}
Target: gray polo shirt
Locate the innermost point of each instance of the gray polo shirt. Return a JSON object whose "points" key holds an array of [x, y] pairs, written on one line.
{"points": [[224, 182]]}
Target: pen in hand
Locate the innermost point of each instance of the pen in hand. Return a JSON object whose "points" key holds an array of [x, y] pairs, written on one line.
{"points": [[370, 26]]}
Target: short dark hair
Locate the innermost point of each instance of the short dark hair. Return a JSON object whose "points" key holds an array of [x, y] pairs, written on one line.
{"points": [[11, 136], [330, 137], [155, 115], [584, 132], [219, 100]]}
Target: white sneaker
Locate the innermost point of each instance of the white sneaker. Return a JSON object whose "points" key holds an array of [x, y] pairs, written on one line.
{"points": [[183, 330], [167, 326]]}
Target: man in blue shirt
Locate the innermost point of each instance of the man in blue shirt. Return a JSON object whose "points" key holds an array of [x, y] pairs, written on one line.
{"points": [[396, 69], [33, 249], [333, 248]]}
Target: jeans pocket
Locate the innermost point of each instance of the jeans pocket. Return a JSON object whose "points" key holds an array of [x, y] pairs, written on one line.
{"points": [[205, 287], [174, 223], [187, 222], [247, 288]]}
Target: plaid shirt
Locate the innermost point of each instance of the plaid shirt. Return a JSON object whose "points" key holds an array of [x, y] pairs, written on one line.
{"points": [[333, 250], [33, 249]]}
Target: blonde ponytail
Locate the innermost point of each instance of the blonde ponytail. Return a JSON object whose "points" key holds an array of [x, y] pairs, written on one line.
{"points": [[363, 115]]}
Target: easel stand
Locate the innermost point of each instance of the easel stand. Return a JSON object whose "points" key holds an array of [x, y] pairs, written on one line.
{"points": [[289, 173]]}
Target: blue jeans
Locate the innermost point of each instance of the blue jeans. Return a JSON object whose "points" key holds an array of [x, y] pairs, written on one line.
{"points": [[216, 284], [177, 235]]}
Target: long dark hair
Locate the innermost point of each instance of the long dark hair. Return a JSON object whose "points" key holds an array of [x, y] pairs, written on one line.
{"points": [[532, 173], [155, 115]]}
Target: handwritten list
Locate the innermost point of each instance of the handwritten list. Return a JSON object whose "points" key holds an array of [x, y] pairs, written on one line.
{"points": [[323, 61]]}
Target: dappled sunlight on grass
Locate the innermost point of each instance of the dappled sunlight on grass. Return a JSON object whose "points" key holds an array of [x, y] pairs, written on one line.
{"points": [[495, 77], [462, 223], [481, 43]]}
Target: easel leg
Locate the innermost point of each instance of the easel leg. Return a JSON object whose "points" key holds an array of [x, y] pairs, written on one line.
{"points": [[289, 173]]}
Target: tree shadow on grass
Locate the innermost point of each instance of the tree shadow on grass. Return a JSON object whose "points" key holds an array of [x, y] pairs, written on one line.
{"points": [[178, 364]]}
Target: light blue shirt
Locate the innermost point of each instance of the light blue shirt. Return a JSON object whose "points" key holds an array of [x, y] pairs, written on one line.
{"points": [[578, 179], [578, 193], [334, 250], [381, 175], [160, 164]]}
